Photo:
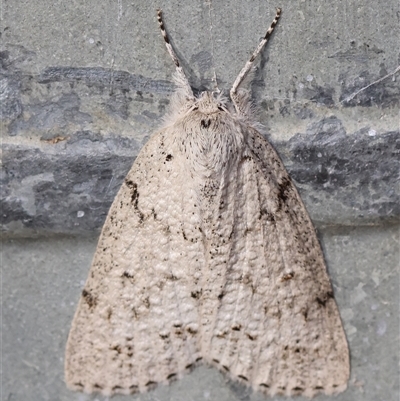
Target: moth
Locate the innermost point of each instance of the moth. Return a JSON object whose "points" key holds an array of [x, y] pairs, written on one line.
{"points": [[208, 255]]}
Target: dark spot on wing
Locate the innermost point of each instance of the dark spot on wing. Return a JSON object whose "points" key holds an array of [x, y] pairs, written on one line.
{"points": [[90, 299], [135, 198], [172, 277], [324, 299], [268, 216], [252, 338], [287, 277], [243, 377], [117, 388], [191, 330], [169, 158], [127, 274], [246, 158], [150, 384], [195, 294], [134, 388], [283, 191], [117, 348], [172, 376]]}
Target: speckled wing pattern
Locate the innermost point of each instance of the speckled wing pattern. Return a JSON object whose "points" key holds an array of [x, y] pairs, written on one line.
{"points": [[208, 254], [276, 325], [217, 264], [137, 320]]}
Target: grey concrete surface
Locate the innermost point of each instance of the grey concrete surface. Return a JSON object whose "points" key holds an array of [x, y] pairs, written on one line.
{"points": [[45, 276], [83, 84], [343, 179]]}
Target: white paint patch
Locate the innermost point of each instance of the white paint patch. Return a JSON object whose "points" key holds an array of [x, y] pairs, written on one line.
{"points": [[24, 192]]}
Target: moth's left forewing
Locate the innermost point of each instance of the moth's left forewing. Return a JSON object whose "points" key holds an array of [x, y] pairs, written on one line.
{"points": [[285, 334], [303, 286]]}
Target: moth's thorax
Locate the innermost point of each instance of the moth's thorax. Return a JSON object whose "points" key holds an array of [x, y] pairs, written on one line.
{"points": [[209, 136]]}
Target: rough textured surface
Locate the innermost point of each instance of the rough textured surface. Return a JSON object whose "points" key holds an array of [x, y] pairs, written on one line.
{"points": [[45, 278], [81, 98], [82, 86], [68, 187], [208, 254]]}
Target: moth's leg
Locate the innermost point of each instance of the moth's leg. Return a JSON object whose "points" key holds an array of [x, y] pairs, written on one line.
{"points": [[180, 78], [234, 95]]}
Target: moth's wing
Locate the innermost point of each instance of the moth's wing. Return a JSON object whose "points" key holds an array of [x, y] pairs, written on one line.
{"points": [[277, 326], [137, 320]]}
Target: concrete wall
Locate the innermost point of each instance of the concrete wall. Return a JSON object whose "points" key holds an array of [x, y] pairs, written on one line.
{"points": [[85, 83]]}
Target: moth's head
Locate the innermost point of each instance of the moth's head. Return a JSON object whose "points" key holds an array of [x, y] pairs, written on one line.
{"points": [[209, 103]]}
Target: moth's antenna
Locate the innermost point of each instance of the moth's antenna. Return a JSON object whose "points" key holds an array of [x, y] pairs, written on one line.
{"points": [[249, 64], [212, 45], [181, 79]]}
